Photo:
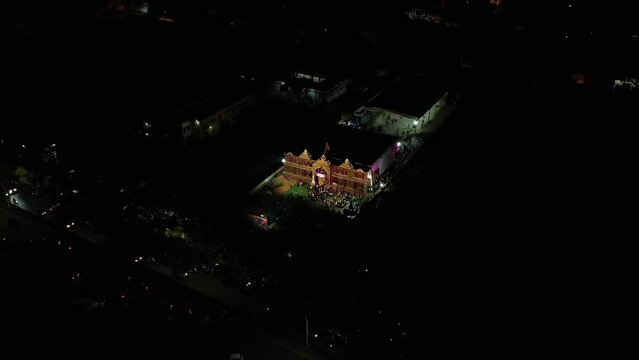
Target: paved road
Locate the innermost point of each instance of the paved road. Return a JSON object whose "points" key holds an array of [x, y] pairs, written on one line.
{"points": [[27, 202], [212, 288], [251, 339]]}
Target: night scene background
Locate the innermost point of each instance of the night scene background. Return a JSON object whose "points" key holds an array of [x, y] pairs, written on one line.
{"points": [[207, 179]]}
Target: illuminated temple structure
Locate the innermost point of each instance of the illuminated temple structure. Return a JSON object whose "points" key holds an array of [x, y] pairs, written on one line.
{"points": [[373, 154]]}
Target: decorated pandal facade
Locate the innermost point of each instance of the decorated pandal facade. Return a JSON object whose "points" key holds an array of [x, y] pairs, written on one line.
{"points": [[321, 172]]}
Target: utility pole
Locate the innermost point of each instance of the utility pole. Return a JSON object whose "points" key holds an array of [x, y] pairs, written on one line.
{"points": [[6, 195], [306, 318]]}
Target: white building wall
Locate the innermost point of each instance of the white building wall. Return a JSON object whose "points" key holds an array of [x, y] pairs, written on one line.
{"points": [[195, 128]]}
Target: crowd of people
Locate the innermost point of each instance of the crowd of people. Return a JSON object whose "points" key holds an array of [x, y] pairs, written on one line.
{"points": [[409, 146], [345, 203], [333, 200]]}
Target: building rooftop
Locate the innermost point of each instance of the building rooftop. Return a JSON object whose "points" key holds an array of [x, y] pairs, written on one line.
{"points": [[221, 95], [410, 95], [361, 148], [322, 63], [173, 107]]}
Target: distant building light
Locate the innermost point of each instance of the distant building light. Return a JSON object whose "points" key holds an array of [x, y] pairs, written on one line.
{"points": [[399, 143], [415, 122], [197, 122], [283, 161]]}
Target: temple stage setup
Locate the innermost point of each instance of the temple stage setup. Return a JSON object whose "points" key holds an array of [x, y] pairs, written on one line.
{"points": [[341, 174]]}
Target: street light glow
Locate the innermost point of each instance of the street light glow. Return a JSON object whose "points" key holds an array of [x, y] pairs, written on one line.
{"points": [[399, 144], [283, 161], [415, 122]]}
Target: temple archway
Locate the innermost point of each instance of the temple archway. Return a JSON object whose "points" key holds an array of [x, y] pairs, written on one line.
{"points": [[321, 172]]}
